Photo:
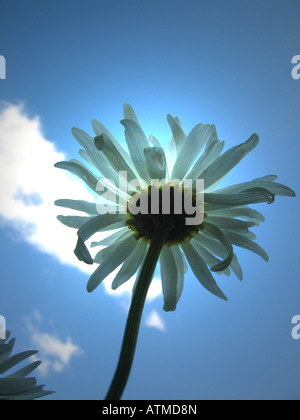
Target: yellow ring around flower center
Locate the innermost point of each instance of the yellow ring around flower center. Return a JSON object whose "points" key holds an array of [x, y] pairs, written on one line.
{"points": [[148, 207]]}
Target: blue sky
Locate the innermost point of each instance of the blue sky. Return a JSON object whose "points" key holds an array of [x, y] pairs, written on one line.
{"points": [[227, 63]]}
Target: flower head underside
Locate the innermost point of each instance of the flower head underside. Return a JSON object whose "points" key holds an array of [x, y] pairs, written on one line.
{"points": [[146, 186]]}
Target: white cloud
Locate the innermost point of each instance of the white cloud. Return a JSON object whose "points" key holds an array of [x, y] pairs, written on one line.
{"points": [[55, 353], [155, 321], [30, 184]]}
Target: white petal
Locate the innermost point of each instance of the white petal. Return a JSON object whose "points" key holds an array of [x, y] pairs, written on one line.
{"points": [[154, 142], [77, 168], [96, 224], [85, 156], [269, 178], [190, 149], [243, 212], [251, 196], [26, 370], [210, 154], [131, 265], [113, 260], [273, 187], [105, 252], [216, 248], [99, 160], [177, 131], [99, 129], [129, 114], [156, 162], [249, 235], [11, 387], [100, 223], [243, 242], [12, 361], [114, 157], [171, 154], [230, 224], [236, 268], [74, 221], [181, 269], [208, 257], [110, 239], [200, 270], [224, 163], [137, 142], [79, 205], [222, 237], [117, 190]]}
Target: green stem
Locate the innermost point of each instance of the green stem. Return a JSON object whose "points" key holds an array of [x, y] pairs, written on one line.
{"points": [[136, 309]]}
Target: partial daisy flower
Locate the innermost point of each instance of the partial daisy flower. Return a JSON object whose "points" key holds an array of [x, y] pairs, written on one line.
{"points": [[132, 178], [17, 386], [164, 207]]}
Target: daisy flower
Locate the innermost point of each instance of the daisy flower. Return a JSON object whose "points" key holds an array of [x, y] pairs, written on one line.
{"points": [[147, 192], [16, 386]]}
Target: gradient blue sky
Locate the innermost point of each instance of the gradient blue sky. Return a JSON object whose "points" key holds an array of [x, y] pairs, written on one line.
{"points": [[223, 62]]}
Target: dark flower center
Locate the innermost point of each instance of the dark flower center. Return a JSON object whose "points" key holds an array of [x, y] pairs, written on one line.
{"points": [[172, 203]]}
